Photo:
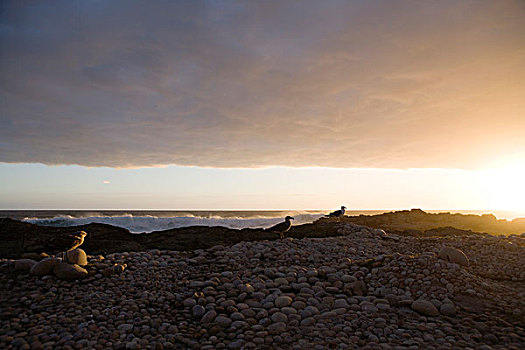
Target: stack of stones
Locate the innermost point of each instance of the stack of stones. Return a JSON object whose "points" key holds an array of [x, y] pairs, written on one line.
{"points": [[359, 290], [73, 268], [70, 270]]}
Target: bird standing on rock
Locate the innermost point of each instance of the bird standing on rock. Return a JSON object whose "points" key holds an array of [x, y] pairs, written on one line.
{"points": [[70, 242], [337, 213], [282, 227]]}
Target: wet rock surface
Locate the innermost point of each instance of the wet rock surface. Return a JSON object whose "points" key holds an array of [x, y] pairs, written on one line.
{"points": [[357, 290]]}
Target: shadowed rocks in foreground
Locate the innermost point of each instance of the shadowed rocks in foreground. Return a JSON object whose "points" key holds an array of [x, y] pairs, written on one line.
{"points": [[358, 290]]}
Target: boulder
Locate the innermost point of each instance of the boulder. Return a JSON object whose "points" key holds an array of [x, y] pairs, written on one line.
{"points": [[453, 255], [77, 256], [425, 307], [44, 267], [24, 265], [66, 271], [384, 235], [447, 309]]}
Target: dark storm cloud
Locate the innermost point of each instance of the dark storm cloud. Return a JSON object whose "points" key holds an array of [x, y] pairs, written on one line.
{"points": [[248, 84]]}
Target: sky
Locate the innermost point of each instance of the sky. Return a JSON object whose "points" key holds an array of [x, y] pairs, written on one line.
{"points": [[262, 105]]}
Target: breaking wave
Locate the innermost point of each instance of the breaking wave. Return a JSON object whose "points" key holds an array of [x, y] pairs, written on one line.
{"points": [[150, 223]]}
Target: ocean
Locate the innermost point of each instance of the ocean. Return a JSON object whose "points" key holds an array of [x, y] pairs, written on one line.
{"points": [[138, 221]]}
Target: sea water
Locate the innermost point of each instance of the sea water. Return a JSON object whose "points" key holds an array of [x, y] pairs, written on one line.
{"points": [[149, 221]]}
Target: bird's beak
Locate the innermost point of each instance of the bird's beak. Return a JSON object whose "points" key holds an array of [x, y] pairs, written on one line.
{"points": [[292, 218]]}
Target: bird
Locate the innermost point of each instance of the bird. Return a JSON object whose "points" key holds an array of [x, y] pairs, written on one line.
{"points": [[281, 227], [337, 213], [69, 242]]}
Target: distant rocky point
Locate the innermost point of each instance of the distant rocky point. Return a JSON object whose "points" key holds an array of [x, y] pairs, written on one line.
{"points": [[417, 219]]}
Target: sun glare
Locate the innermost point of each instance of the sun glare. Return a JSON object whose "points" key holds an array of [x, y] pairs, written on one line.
{"points": [[505, 187]]}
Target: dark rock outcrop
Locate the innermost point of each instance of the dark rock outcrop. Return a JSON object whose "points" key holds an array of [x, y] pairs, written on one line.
{"points": [[21, 237], [417, 219]]}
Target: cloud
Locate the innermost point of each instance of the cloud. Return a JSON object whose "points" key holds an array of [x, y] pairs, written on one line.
{"points": [[236, 84]]}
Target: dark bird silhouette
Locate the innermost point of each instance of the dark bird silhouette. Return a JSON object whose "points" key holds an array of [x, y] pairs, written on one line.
{"points": [[337, 213], [282, 227], [69, 242]]}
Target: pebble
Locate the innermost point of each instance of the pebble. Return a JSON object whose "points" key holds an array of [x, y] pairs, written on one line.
{"points": [[283, 301], [126, 327], [447, 309], [209, 316], [222, 321], [198, 311]]}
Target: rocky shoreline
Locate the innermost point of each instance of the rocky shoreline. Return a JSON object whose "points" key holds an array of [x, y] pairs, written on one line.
{"points": [[361, 288], [22, 237]]}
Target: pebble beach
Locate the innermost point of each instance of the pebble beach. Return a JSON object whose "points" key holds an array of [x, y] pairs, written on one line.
{"points": [[361, 290]]}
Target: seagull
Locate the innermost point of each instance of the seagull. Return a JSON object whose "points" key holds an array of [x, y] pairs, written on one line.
{"points": [[70, 242], [282, 227], [337, 213]]}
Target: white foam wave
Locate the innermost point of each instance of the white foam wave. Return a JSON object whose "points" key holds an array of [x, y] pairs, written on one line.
{"points": [[149, 223]]}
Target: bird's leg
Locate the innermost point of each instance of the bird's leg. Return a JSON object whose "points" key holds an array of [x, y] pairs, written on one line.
{"points": [[281, 234]]}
